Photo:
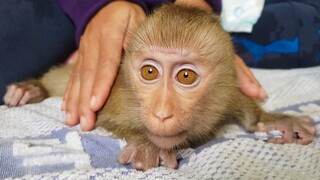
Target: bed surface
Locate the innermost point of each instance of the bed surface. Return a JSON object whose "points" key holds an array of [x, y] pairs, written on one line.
{"points": [[35, 143]]}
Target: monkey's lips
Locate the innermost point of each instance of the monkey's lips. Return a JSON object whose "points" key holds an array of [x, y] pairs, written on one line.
{"points": [[168, 141]]}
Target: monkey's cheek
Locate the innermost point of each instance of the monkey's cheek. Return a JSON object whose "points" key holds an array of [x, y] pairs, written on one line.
{"points": [[168, 142]]}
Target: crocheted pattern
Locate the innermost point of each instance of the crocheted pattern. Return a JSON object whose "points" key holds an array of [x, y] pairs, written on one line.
{"points": [[36, 144]]}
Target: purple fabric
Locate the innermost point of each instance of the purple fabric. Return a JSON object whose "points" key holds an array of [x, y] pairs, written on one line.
{"points": [[216, 5], [81, 11]]}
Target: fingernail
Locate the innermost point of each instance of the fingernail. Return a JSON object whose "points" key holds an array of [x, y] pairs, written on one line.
{"points": [[93, 101]]}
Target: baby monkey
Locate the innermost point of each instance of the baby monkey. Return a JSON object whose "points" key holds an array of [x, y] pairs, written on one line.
{"points": [[175, 89]]}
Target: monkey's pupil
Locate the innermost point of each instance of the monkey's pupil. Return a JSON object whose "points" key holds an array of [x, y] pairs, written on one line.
{"points": [[150, 71], [185, 75]]}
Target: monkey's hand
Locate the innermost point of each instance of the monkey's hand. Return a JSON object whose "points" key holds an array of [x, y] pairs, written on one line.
{"points": [[145, 157], [22, 93], [297, 130]]}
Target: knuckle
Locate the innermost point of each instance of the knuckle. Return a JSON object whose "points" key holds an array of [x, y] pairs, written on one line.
{"points": [[19, 90], [27, 94]]}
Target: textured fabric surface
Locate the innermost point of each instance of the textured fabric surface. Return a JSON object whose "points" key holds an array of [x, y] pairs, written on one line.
{"points": [[35, 143]]}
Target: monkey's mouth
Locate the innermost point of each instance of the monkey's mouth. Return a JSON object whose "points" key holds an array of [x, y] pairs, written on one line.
{"points": [[168, 141]]}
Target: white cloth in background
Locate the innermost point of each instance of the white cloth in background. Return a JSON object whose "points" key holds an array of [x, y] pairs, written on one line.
{"points": [[240, 15]]}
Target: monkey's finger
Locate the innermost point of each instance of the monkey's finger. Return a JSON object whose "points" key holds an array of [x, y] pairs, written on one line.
{"points": [[287, 136], [169, 159], [285, 127], [18, 94], [303, 136], [10, 92], [34, 94], [139, 160], [307, 125], [127, 154]]}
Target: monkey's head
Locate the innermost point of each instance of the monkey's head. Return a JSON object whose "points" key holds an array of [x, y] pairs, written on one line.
{"points": [[180, 63]]}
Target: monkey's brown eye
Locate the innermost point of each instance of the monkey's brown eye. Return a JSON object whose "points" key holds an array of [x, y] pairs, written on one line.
{"points": [[186, 76], [149, 72]]}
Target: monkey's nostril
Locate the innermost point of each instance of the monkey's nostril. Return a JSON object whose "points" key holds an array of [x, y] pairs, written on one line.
{"points": [[162, 116]]}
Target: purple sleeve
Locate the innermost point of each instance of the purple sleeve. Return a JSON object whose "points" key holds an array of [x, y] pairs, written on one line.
{"points": [[81, 11], [216, 5]]}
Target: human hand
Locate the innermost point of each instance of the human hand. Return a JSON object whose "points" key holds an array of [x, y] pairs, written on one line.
{"points": [[249, 85], [98, 61]]}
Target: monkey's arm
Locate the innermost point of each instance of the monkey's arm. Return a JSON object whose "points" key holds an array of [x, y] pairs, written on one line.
{"points": [[294, 129]]}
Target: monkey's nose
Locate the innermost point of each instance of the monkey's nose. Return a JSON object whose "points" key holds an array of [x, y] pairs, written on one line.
{"points": [[161, 116]]}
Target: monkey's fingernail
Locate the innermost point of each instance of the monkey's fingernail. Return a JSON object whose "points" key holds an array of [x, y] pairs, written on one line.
{"points": [[93, 101]]}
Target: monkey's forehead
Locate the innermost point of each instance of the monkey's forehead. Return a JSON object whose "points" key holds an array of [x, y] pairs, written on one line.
{"points": [[166, 51], [167, 55], [170, 50]]}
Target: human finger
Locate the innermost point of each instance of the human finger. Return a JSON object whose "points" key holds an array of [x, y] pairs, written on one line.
{"points": [[247, 81], [72, 93], [87, 77]]}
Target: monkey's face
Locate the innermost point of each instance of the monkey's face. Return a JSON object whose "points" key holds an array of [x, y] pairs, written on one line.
{"points": [[169, 83]]}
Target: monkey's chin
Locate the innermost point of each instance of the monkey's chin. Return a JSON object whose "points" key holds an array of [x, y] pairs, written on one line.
{"points": [[168, 142]]}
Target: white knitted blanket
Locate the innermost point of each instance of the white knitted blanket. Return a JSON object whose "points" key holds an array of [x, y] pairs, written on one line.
{"points": [[36, 144]]}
